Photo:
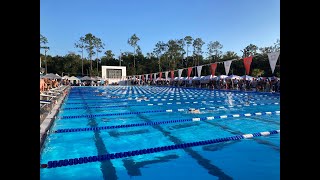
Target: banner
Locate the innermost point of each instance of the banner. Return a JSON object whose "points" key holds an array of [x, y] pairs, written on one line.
{"points": [[189, 72], [273, 58], [213, 68], [166, 74], [247, 62], [172, 75], [227, 65], [160, 75], [199, 68], [146, 76], [179, 73]]}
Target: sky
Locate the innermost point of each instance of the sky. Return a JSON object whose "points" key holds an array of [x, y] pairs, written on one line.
{"points": [[234, 23]]}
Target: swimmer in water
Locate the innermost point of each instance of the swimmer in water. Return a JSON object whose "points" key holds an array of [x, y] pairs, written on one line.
{"points": [[194, 111], [248, 100]]}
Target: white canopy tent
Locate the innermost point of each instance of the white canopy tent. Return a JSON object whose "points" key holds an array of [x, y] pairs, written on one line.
{"points": [[72, 78], [220, 77], [65, 77], [86, 78], [246, 77], [206, 79], [233, 77], [51, 76]]}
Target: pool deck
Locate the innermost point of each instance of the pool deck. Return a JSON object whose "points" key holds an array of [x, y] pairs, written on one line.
{"points": [[46, 124]]}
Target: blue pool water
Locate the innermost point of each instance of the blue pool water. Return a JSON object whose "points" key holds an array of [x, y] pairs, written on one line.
{"points": [[254, 158]]}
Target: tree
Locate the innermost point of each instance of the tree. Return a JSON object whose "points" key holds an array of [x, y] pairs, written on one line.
{"points": [[43, 42], [257, 72], [216, 46], [197, 49], [109, 55], [230, 55], [133, 42], [160, 47], [80, 45], [181, 43], [188, 40], [98, 45], [89, 41], [266, 50], [276, 46], [250, 50], [174, 51]]}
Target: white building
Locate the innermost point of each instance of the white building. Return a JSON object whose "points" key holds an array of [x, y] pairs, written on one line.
{"points": [[114, 74]]}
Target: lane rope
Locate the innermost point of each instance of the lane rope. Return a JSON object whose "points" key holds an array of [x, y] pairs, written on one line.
{"points": [[163, 122], [105, 157]]}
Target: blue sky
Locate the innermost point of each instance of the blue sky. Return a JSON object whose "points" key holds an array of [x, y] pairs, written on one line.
{"points": [[234, 23]]}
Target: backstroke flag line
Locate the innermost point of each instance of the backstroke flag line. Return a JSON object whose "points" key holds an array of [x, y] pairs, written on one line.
{"points": [[172, 75], [199, 68], [247, 62], [166, 74], [189, 71], [273, 58], [227, 65], [213, 68], [179, 73]]}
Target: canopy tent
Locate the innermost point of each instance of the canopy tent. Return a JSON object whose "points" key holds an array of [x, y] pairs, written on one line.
{"points": [[220, 77], [246, 77], [86, 78], [97, 78], [233, 77], [72, 78], [273, 78], [51, 76], [181, 78], [261, 78], [162, 79], [196, 78], [206, 79], [65, 77]]}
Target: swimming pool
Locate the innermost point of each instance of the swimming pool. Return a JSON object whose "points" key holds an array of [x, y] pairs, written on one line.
{"points": [[118, 136]]}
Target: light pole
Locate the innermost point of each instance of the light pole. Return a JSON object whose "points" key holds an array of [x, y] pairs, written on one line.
{"points": [[45, 58]]}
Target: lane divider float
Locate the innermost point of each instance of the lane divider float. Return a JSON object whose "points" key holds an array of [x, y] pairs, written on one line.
{"points": [[110, 156]]}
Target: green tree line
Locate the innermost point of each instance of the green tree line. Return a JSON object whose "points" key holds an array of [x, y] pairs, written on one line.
{"points": [[166, 56]]}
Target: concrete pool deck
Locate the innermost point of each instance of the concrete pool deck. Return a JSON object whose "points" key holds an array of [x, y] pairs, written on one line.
{"points": [[48, 121]]}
